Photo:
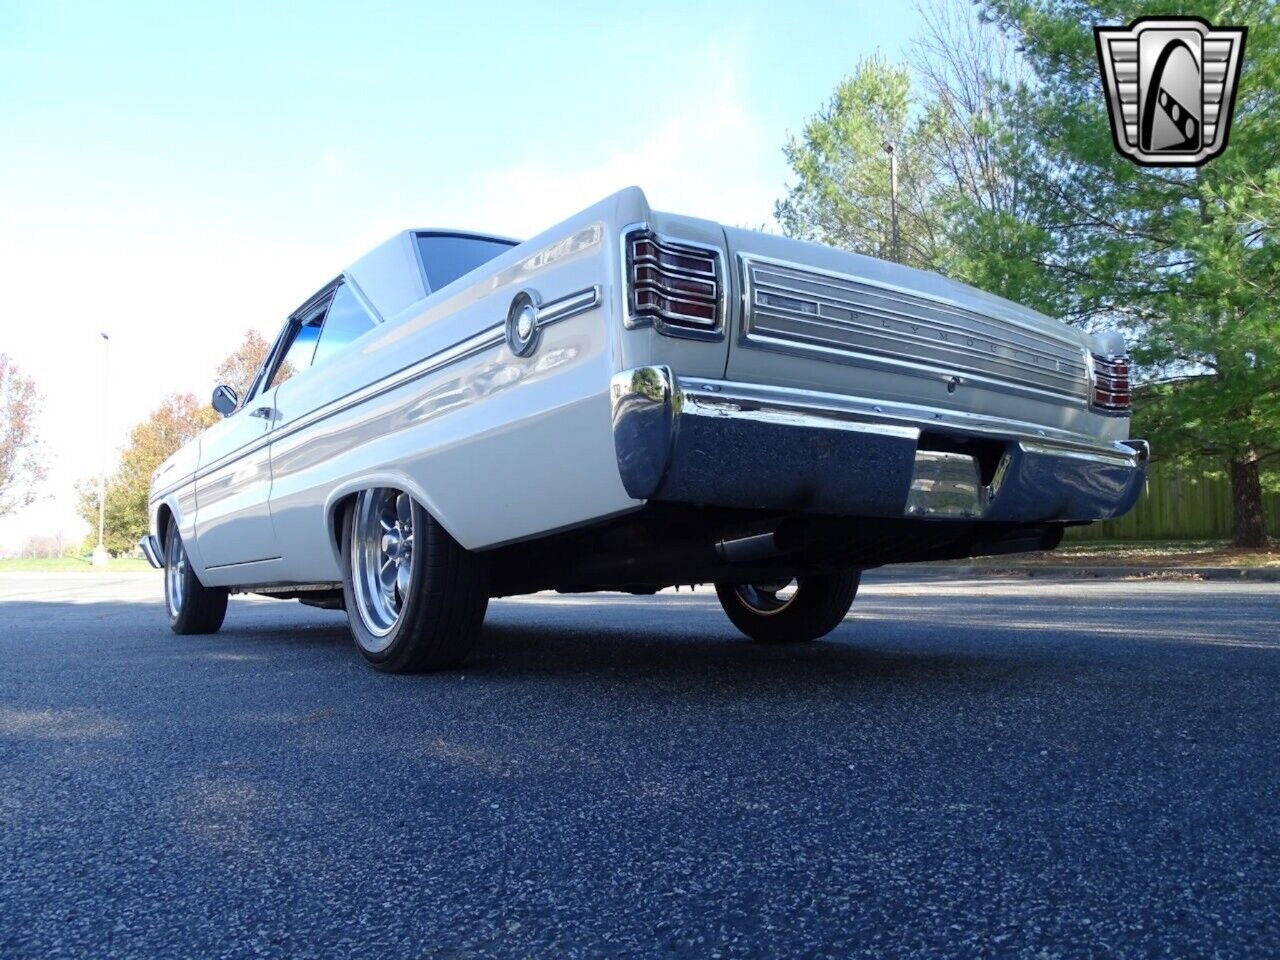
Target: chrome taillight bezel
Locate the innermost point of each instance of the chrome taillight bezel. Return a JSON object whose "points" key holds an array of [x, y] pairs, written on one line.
{"points": [[669, 278], [1110, 384]]}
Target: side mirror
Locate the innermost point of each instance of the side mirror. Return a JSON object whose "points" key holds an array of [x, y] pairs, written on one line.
{"points": [[225, 400]]}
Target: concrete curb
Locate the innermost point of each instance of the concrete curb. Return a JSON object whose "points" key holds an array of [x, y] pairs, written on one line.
{"points": [[1250, 574]]}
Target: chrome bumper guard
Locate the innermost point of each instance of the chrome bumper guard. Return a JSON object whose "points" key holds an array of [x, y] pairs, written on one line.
{"points": [[151, 550], [743, 445]]}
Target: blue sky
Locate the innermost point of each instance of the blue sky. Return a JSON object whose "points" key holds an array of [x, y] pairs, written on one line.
{"points": [[177, 173]]}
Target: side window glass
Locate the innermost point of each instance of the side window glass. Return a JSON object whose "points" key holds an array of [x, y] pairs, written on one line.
{"points": [[258, 386], [298, 356], [346, 321]]}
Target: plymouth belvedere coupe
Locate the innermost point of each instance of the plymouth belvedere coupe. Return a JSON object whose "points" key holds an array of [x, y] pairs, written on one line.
{"points": [[629, 401]]}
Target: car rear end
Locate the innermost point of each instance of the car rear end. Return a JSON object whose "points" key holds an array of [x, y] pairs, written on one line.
{"points": [[769, 374]]}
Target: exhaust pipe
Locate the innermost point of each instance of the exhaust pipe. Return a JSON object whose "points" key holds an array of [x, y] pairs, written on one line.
{"points": [[761, 546]]}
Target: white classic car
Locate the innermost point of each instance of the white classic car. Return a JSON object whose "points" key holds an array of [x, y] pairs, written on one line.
{"points": [[628, 401]]}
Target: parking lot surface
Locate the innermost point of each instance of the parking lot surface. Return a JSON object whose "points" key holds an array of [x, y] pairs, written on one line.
{"points": [[977, 768]]}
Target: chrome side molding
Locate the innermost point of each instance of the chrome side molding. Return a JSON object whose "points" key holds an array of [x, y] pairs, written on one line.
{"points": [[551, 312], [570, 305]]}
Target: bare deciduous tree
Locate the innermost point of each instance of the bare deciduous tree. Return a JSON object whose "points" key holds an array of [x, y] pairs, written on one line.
{"points": [[954, 116], [973, 83], [21, 460], [239, 367], [43, 546], [177, 419]]}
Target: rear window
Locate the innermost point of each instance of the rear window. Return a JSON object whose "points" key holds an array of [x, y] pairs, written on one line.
{"points": [[447, 257]]}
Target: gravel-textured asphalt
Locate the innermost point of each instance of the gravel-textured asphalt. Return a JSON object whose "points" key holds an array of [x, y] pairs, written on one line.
{"points": [[982, 768]]}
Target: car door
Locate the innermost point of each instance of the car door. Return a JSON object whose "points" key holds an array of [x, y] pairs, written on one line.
{"points": [[234, 532], [317, 437], [233, 525]]}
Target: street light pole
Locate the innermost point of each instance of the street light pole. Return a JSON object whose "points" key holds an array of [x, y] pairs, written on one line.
{"points": [[100, 556], [889, 148]]}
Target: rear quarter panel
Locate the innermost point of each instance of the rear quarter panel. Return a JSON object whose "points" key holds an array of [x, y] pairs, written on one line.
{"points": [[496, 446], [643, 345]]}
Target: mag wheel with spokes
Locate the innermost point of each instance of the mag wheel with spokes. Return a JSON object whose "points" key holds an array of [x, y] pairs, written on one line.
{"points": [[789, 611], [192, 607], [382, 559], [414, 597]]}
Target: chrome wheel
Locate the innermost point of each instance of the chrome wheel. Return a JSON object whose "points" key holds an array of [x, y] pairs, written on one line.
{"points": [[381, 561], [175, 573], [766, 599]]}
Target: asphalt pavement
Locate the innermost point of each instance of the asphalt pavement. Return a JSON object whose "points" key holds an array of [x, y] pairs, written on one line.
{"points": [[975, 768]]}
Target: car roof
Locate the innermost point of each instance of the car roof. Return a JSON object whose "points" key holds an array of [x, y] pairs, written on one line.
{"points": [[389, 277]]}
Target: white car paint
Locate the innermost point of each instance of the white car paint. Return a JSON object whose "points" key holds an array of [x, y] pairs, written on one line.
{"points": [[468, 439], [497, 447]]}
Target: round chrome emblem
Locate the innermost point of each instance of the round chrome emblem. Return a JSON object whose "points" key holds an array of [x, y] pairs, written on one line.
{"points": [[522, 324], [526, 320]]}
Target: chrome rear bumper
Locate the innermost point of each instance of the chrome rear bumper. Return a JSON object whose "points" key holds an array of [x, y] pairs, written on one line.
{"points": [[151, 550], [744, 445]]}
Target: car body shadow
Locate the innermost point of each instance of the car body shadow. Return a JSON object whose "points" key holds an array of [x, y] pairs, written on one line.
{"points": [[667, 646], [719, 657]]}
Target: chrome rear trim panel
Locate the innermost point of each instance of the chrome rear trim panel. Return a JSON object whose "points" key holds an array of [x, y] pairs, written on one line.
{"points": [[797, 309], [916, 416]]}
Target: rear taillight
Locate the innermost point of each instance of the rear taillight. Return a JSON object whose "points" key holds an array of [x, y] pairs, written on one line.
{"points": [[675, 286], [1110, 384]]}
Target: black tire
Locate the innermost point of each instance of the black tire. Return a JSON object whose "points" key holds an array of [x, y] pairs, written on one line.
{"points": [[817, 607], [192, 607], [442, 610]]}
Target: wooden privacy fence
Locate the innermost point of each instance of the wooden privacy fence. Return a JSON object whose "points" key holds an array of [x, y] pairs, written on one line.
{"points": [[1178, 505]]}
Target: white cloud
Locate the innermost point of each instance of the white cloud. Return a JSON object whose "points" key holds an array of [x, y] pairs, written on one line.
{"points": [[707, 156], [177, 288], [173, 306]]}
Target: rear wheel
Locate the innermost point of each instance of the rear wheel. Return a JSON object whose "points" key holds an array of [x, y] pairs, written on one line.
{"points": [[415, 598], [192, 607], [789, 611]]}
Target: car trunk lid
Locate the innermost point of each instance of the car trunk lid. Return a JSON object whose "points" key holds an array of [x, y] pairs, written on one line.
{"points": [[815, 318]]}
